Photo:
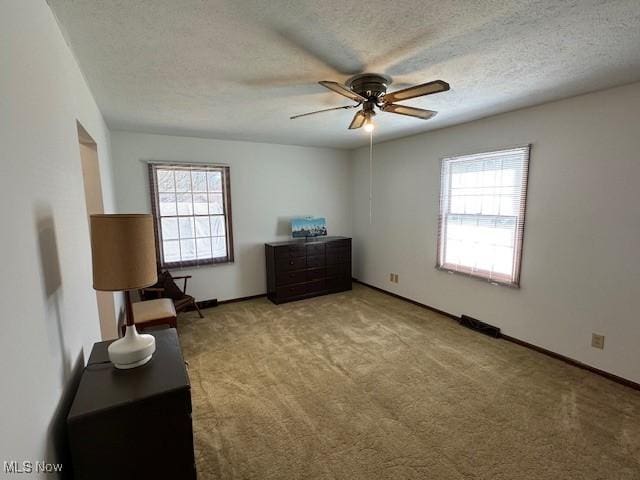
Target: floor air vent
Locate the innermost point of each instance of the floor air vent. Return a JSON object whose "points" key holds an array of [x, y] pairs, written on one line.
{"points": [[479, 326], [208, 303]]}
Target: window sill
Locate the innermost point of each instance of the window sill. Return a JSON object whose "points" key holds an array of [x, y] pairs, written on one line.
{"points": [[492, 281], [195, 264]]}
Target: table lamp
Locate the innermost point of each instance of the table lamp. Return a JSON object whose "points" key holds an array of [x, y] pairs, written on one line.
{"points": [[124, 259]]}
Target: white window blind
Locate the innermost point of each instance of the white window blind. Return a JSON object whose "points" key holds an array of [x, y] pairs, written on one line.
{"points": [[482, 210], [192, 209]]}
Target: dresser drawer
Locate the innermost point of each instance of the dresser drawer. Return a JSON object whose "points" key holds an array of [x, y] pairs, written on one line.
{"points": [[286, 251], [338, 284], [315, 274], [315, 249], [292, 291], [286, 277], [317, 286], [339, 270], [338, 244], [316, 261], [340, 255], [290, 263]]}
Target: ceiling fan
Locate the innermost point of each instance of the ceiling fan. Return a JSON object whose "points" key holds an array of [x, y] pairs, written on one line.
{"points": [[370, 91]]}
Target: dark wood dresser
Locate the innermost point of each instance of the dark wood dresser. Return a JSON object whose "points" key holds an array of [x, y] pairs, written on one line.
{"points": [[298, 269], [133, 424]]}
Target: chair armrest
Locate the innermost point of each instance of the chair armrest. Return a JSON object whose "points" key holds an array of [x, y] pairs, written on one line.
{"points": [[158, 291], [185, 278]]}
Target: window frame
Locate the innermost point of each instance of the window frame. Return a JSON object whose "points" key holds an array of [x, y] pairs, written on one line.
{"points": [[511, 281], [153, 167]]}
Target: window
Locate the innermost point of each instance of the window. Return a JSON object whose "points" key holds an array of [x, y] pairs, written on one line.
{"points": [[482, 206], [192, 209]]}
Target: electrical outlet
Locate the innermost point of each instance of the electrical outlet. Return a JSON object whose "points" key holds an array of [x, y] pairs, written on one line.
{"points": [[597, 341]]}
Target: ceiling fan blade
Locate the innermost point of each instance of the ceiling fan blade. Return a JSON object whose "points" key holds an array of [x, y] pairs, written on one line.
{"points": [[436, 86], [343, 90], [410, 111], [358, 120], [346, 107]]}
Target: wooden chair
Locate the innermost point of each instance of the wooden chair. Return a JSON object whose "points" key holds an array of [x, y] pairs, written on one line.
{"points": [[181, 300], [153, 313]]}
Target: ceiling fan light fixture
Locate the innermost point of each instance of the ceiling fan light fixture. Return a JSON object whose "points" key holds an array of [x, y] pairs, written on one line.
{"points": [[369, 126]]}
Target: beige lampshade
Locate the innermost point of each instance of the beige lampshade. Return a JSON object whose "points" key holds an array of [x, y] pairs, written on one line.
{"points": [[124, 252]]}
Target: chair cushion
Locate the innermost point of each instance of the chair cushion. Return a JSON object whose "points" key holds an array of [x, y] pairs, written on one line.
{"points": [[153, 310]]}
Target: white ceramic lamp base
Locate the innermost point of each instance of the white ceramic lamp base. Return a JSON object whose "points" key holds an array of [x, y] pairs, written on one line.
{"points": [[132, 350]]}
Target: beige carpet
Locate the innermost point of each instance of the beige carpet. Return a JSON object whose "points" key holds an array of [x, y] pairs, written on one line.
{"points": [[361, 385]]}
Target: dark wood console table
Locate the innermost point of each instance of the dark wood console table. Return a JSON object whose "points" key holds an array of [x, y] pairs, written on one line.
{"points": [[133, 424]]}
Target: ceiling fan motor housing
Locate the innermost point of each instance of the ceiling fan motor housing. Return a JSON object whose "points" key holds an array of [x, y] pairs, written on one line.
{"points": [[370, 85]]}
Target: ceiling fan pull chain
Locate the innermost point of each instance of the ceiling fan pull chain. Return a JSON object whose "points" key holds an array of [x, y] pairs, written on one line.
{"points": [[371, 177]]}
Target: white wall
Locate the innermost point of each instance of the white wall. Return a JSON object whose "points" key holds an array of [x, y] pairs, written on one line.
{"points": [[269, 184], [49, 314], [581, 263]]}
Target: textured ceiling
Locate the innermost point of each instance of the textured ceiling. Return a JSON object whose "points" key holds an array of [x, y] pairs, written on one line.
{"points": [[238, 69]]}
